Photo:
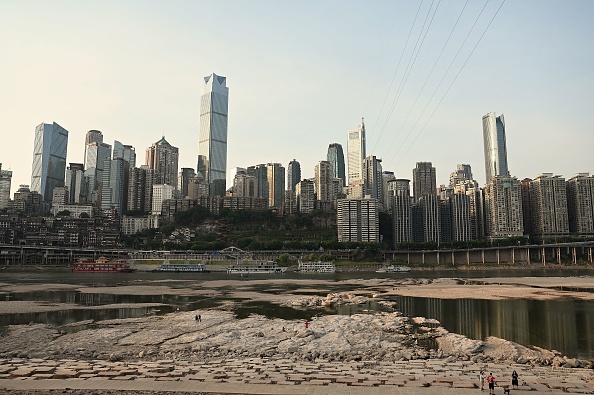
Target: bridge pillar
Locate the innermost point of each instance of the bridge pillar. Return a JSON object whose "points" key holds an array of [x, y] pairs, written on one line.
{"points": [[438, 257], [453, 259], [423, 257], [558, 255], [497, 251], [483, 255], [467, 257], [528, 254], [408, 258], [574, 256], [513, 252], [544, 257], [590, 254]]}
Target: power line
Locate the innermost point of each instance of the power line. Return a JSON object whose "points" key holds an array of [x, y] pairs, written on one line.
{"points": [[453, 81]]}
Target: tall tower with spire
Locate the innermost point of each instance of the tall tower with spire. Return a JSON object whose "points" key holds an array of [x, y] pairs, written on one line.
{"points": [[356, 152]]}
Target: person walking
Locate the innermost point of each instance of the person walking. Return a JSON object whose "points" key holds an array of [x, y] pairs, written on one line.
{"points": [[515, 379], [491, 381], [481, 380]]}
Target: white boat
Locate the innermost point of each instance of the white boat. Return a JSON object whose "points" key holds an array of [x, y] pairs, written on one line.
{"points": [[316, 267], [393, 269], [182, 267], [255, 268]]}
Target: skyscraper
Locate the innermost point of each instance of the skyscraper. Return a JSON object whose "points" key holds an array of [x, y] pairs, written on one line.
{"points": [[372, 178], [356, 152], [75, 183], [293, 174], [358, 220], [495, 146], [126, 152], [548, 199], [92, 136], [114, 189], [401, 210], [276, 184], [503, 207], [580, 204], [424, 182], [336, 158], [183, 180], [323, 178], [163, 158], [5, 179], [96, 153], [212, 142], [49, 159]]}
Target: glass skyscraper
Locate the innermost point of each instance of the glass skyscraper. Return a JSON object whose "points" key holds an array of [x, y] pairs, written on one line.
{"points": [[495, 146], [49, 159], [212, 142], [336, 158], [293, 174]]}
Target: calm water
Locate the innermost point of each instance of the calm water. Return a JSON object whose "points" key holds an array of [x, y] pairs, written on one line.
{"points": [[566, 326]]}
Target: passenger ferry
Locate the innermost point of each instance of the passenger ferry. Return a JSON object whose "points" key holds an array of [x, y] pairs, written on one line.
{"points": [[256, 268], [316, 267], [102, 265], [182, 267], [393, 269]]}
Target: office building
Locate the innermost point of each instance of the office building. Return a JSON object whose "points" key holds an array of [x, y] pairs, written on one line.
{"points": [[358, 220], [92, 136], [276, 185], [503, 207], [75, 182], [356, 152], [495, 146], [96, 153], [293, 174], [424, 182], [387, 176], [5, 180], [580, 204], [548, 199], [49, 159], [372, 179], [462, 174], [260, 172], [114, 187], [126, 152], [305, 192], [163, 158], [335, 156], [212, 141]]}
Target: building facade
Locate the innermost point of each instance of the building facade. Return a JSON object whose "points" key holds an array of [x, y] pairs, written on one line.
{"points": [[495, 146], [49, 159], [358, 220], [580, 204], [323, 179], [75, 182], [212, 141], [163, 158], [5, 180], [126, 152], [183, 180], [114, 189], [424, 180], [372, 178], [548, 200], [305, 192], [276, 185], [356, 152], [293, 174], [503, 207]]}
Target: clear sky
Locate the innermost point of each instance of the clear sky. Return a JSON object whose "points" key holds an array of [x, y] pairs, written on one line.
{"points": [[301, 74]]}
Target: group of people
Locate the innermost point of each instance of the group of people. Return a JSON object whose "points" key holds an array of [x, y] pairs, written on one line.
{"points": [[491, 381]]}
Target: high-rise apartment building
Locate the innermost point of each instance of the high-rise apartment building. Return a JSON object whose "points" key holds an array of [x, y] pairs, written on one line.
{"points": [[401, 210], [49, 159], [293, 174], [495, 146], [305, 192], [261, 173], [276, 185], [212, 141], [424, 180], [372, 178], [5, 180], [244, 185], [140, 189], [183, 180], [163, 158], [358, 220], [387, 177], [356, 152], [462, 174], [431, 218], [477, 212], [461, 217], [335, 156], [580, 204], [526, 205], [323, 179], [548, 199], [161, 192], [75, 182], [503, 207]]}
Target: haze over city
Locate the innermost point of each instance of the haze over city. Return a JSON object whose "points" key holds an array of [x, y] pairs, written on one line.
{"points": [[301, 75]]}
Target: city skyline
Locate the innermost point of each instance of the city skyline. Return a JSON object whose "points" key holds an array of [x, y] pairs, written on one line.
{"points": [[131, 96]]}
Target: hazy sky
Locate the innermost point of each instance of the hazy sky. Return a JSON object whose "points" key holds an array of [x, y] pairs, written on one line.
{"points": [[301, 74]]}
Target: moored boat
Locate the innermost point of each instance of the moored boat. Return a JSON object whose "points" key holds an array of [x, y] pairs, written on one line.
{"points": [[316, 267], [182, 268], [102, 265], [393, 269], [256, 267]]}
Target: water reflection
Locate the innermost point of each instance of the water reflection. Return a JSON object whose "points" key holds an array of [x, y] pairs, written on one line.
{"points": [[565, 326]]}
